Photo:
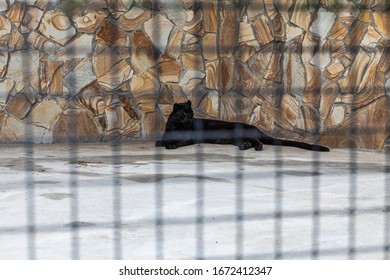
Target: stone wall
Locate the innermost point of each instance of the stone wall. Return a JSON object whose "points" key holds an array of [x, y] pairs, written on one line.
{"points": [[103, 70]]}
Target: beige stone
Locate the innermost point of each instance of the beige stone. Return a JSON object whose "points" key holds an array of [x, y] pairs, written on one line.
{"points": [[289, 108], [6, 86], [246, 33], [80, 47], [334, 70], [41, 4], [158, 29], [356, 34], [352, 81], [310, 45], [329, 91], [323, 57], [192, 61], [57, 27], [274, 123], [194, 21], [191, 43], [279, 29], [313, 77], [92, 99], [145, 89], [3, 63], [79, 76], [260, 61], [110, 34], [19, 106], [134, 19], [31, 19], [169, 70], [24, 66], [16, 40], [188, 4], [212, 75], [301, 15], [371, 86], [170, 94], [174, 10], [245, 52], [89, 22], [228, 28], [5, 30], [365, 16], [143, 53], [371, 39], [3, 6], [364, 136], [235, 107], [347, 11], [338, 114], [119, 6], [338, 31], [210, 16], [96, 5], [293, 69], [120, 122], [274, 71], [384, 63], [15, 131], [52, 75], [16, 13], [270, 8], [323, 23], [27, 90], [226, 75], [382, 22], [255, 8], [104, 58], [190, 80], [45, 113], [312, 97], [283, 6], [174, 43], [76, 125], [43, 44], [244, 81], [118, 74], [209, 46], [345, 61], [380, 5], [153, 126], [262, 30], [210, 104], [309, 119]]}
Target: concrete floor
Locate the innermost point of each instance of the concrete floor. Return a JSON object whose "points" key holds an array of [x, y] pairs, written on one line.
{"points": [[135, 201]]}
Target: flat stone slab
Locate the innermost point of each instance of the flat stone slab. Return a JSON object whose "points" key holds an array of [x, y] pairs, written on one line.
{"points": [[135, 201]]}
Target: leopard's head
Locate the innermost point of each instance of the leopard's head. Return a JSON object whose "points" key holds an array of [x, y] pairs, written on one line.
{"points": [[182, 116]]}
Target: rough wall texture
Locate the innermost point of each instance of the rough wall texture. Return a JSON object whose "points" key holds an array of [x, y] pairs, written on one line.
{"points": [[103, 70]]}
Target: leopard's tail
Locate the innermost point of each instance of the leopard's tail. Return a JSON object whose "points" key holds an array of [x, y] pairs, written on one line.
{"points": [[280, 142]]}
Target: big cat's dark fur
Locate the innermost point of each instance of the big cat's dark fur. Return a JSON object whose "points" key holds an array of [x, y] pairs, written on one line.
{"points": [[183, 129]]}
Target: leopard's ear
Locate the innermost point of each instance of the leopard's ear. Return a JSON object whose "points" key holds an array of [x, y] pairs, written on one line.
{"points": [[189, 103], [176, 107]]}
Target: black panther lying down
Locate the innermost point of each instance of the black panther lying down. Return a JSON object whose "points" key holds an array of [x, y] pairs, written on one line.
{"points": [[183, 129]]}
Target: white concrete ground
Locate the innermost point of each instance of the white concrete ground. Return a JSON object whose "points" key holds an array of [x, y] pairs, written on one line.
{"points": [[97, 201]]}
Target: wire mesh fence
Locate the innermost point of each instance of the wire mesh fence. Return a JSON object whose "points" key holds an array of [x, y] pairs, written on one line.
{"points": [[121, 200]]}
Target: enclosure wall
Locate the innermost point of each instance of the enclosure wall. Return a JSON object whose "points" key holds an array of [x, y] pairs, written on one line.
{"points": [[316, 71]]}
